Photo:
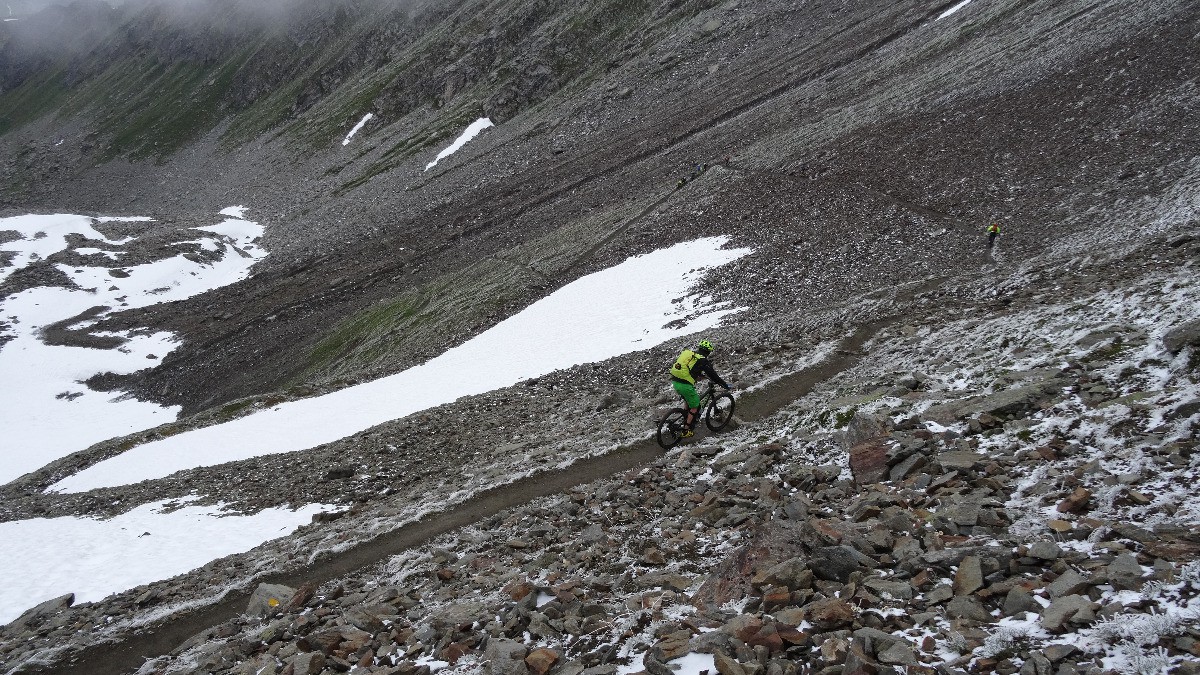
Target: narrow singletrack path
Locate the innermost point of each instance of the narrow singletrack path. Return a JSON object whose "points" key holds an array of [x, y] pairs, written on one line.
{"points": [[128, 655]]}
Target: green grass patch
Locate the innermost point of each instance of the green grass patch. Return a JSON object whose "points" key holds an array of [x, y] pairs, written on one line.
{"points": [[34, 98], [371, 326], [843, 417], [182, 103]]}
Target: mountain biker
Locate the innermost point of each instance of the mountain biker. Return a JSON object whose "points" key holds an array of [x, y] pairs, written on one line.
{"points": [[993, 231], [691, 365]]}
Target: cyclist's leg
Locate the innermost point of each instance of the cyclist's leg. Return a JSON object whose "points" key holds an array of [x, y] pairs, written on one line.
{"points": [[691, 399]]}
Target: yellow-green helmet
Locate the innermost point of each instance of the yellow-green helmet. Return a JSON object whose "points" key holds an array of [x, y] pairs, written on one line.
{"points": [[705, 346]]}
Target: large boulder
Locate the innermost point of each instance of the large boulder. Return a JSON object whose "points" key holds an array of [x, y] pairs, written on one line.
{"points": [[268, 599], [35, 615], [1184, 335], [504, 657], [837, 563]]}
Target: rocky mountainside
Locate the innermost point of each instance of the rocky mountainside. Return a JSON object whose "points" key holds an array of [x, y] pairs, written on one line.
{"points": [[976, 482], [945, 459], [850, 144]]}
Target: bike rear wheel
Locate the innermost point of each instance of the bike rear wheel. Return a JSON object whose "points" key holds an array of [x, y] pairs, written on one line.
{"points": [[671, 428], [720, 411]]}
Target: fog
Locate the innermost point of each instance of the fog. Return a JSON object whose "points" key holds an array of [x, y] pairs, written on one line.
{"points": [[270, 11]]}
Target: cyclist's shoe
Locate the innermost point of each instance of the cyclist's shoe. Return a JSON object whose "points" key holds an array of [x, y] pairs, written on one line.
{"points": [[687, 433]]}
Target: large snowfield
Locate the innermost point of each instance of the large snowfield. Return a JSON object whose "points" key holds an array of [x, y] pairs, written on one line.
{"points": [[49, 413], [95, 558]]}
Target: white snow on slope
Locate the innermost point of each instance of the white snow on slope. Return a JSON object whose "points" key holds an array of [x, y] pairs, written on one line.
{"points": [[96, 558], [615, 311], [953, 9], [42, 236], [366, 118], [471, 132], [45, 410]]}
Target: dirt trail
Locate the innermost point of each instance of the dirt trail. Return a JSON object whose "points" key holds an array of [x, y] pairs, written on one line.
{"points": [[129, 654]]}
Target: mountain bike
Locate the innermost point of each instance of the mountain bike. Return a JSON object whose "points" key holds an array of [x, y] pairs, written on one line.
{"points": [[717, 409]]}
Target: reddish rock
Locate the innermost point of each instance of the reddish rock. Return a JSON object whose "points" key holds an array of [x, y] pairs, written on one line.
{"points": [[653, 556], [1077, 502], [869, 462], [776, 599], [518, 589], [322, 641], [730, 580], [454, 651], [768, 637], [829, 614], [828, 530], [541, 660], [792, 636], [744, 627]]}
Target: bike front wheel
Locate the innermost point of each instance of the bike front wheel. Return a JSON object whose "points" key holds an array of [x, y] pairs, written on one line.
{"points": [[720, 411], [671, 428]]}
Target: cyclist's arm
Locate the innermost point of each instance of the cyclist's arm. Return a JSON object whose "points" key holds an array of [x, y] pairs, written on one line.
{"points": [[707, 369]]}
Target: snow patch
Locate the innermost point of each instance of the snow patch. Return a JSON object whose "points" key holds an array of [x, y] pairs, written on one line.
{"points": [[96, 558], [953, 9], [366, 118], [46, 411], [637, 304], [471, 132]]}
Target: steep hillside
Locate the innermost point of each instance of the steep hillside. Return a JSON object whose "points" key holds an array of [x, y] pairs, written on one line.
{"points": [[971, 481], [911, 401], [841, 135]]}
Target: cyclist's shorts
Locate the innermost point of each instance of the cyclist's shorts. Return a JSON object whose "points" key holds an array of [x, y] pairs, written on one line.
{"points": [[688, 392]]}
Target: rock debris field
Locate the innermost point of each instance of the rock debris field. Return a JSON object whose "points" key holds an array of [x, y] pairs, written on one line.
{"points": [[1002, 482]]}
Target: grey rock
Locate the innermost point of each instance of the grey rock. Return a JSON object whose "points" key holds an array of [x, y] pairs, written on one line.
{"points": [[1179, 337], [267, 599], [900, 590], [963, 515], [907, 467], [1019, 601], [863, 428], [1044, 550], [1068, 583], [1037, 664], [969, 577], [837, 563], [726, 665], [877, 641], [1124, 573], [967, 607], [458, 614], [38, 613], [1135, 533], [1061, 610], [504, 657], [897, 655], [959, 460], [792, 574], [1059, 651], [939, 594], [592, 533], [309, 663], [1017, 400]]}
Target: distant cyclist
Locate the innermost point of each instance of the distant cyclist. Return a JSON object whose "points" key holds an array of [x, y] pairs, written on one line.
{"points": [[691, 365], [993, 232]]}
